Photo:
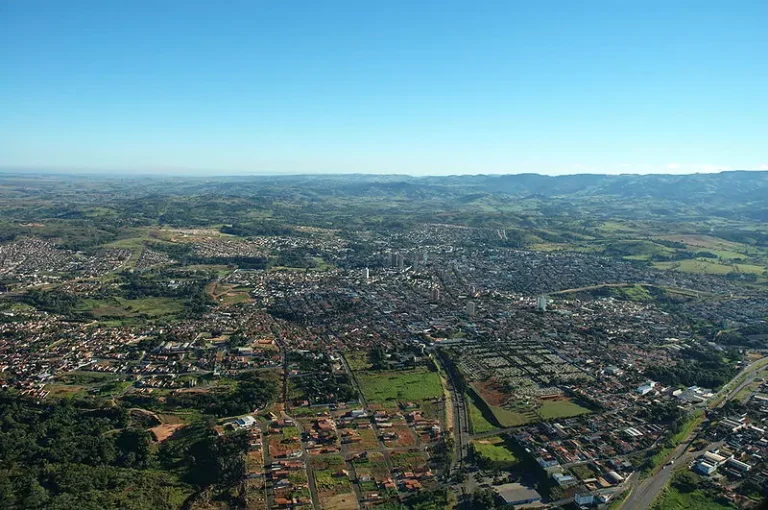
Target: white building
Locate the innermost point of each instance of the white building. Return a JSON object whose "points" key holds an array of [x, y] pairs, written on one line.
{"points": [[646, 388]]}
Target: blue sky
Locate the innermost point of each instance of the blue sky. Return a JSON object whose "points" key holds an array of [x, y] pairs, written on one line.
{"points": [[384, 87]]}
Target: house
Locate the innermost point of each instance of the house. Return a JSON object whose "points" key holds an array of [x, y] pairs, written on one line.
{"points": [[564, 480], [586, 499]]}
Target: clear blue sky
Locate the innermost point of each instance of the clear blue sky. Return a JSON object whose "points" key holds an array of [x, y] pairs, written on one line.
{"points": [[384, 86]]}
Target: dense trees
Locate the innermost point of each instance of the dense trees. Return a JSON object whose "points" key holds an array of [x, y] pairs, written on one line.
{"points": [[697, 367], [60, 456], [483, 499], [49, 301]]}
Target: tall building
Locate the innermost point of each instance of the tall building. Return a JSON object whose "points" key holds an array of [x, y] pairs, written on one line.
{"points": [[541, 303], [435, 295], [367, 273], [400, 260], [470, 308]]}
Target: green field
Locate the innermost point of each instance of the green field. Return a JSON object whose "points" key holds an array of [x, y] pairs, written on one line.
{"points": [[493, 453], [634, 293], [637, 249], [705, 266], [326, 481], [477, 420], [673, 499], [358, 360], [560, 409], [400, 386], [120, 307], [509, 418]]}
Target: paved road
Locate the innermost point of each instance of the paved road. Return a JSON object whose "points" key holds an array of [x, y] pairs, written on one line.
{"points": [[644, 493]]}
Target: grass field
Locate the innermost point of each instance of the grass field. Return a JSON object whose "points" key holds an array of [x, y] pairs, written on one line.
{"points": [[673, 499], [560, 409], [400, 386], [493, 453], [508, 418], [476, 419], [120, 307], [326, 481], [705, 266], [358, 360], [65, 390], [633, 293]]}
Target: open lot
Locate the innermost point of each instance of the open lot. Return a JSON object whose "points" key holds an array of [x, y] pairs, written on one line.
{"points": [[391, 387], [560, 408], [120, 307], [493, 453]]}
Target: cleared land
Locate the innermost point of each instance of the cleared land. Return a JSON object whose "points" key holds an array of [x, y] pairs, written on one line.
{"points": [[560, 408], [400, 386], [120, 307], [493, 453]]}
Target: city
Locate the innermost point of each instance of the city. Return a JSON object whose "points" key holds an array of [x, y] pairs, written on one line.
{"points": [[383, 368]]}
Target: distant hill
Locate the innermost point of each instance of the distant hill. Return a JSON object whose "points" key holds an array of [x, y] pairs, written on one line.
{"points": [[732, 195]]}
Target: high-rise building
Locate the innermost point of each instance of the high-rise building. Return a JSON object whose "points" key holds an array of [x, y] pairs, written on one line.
{"points": [[400, 260], [435, 295], [367, 274], [541, 303], [470, 308]]}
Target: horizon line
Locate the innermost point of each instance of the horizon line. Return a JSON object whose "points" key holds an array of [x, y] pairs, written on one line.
{"points": [[199, 173]]}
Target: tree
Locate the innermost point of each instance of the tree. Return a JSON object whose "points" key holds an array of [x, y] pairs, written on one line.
{"points": [[685, 481], [378, 357], [36, 496], [483, 499]]}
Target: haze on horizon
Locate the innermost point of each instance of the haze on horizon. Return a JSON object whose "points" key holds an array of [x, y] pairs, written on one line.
{"points": [[348, 87]]}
